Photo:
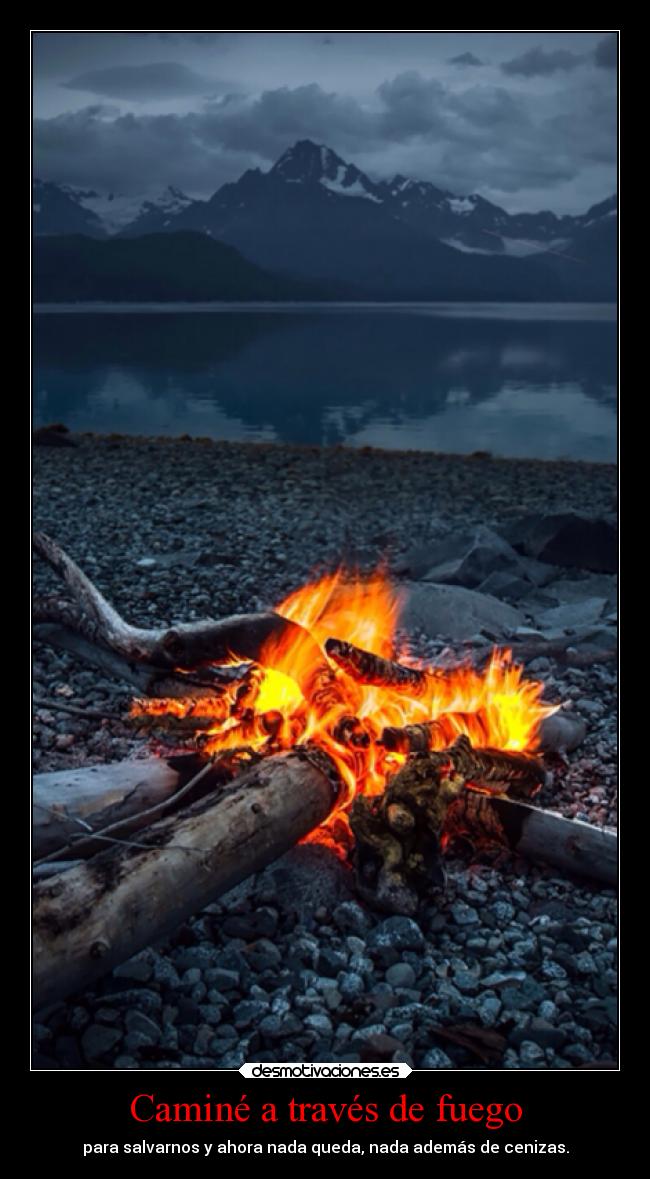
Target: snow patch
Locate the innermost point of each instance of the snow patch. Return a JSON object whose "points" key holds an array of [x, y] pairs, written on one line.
{"points": [[117, 210], [464, 249], [461, 204], [355, 189]]}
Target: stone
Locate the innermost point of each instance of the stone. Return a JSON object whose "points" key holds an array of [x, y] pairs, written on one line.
{"points": [[248, 1012], [463, 914], [456, 612], [436, 1058], [488, 1010], [467, 558], [571, 539], [504, 584], [351, 985], [331, 962], [594, 585], [572, 615], [137, 1021], [351, 918], [139, 969], [99, 1039], [321, 1024], [531, 1054], [562, 733], [400, 975], [397, 933], [222, 980]]}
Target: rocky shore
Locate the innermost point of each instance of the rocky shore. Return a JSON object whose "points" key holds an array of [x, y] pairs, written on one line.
{"points": [[513, 967]]}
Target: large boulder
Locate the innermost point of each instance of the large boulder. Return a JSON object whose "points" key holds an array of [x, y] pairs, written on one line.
{"points": [[571, 539], [467, 558], [456, 613]]}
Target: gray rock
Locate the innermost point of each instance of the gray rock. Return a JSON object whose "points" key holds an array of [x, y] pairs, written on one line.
{"points": [[572, 615], [351, 918], [397, 933], [98, 1039], [571, 539], [541, 1032], [467, 558], [248, 1012], [400, 975], [463, 914], [456, 612], [488, 1010], [595, 585], [321, 1024], [504, 584], [222, 980], [351, 985], [143, 998], [307, 878], [436, 1058], [562, 733], [331, 962], [466, 981], [137, 1021], [501, 978], [531, 1054], [140, 969]]}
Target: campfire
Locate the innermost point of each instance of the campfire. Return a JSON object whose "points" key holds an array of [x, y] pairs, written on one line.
{"points": [[333, 679], [307, 722], [336, 681]]}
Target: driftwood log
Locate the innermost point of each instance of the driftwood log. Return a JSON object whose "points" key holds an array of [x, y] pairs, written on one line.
{"points": [[84, 623], [94, 916]]}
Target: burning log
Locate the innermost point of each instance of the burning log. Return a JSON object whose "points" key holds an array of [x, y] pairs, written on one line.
{"points": [[401, 833], [100, 913], [366, 668]]}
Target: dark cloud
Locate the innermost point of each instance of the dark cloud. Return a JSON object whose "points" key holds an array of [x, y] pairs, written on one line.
{"points": [[539, 62], [465, 59], [163, 79], [606, 52], [484, 138]]}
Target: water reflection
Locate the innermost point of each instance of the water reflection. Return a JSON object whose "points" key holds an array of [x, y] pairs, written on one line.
{"points": [[539, 385]]}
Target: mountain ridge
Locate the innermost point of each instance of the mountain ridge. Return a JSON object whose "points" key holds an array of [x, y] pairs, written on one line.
{"points": [[313, 217]]}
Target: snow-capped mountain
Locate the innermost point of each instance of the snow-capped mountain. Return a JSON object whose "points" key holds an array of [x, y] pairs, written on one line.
{"points": [[64, 208], [315, 216]]}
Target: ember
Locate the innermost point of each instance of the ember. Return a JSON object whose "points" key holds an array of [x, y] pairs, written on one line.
{"points": [[333, 680]]}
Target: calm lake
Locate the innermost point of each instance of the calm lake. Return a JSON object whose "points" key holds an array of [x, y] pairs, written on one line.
{"points": [[524, 380]]}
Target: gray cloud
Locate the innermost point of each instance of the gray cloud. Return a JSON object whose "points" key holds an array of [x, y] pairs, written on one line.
{"points": [[465, 59], [606, 52], [540, 62], [163, 79], [483, 138]]}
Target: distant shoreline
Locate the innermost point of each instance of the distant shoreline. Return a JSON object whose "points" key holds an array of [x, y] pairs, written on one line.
{"points": [[604, 311], [94, 441]]}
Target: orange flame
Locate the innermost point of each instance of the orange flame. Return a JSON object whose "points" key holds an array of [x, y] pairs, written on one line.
{"points": [[296, 695]]}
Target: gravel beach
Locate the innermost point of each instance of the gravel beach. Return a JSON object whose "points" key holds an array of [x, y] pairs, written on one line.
{"points": [[514, 967]]}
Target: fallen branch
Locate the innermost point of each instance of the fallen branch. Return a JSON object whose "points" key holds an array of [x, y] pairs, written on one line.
{"points": [[242, 638]]}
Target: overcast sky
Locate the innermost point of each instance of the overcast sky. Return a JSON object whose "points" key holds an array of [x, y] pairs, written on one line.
{"points": [[526, 119]]}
